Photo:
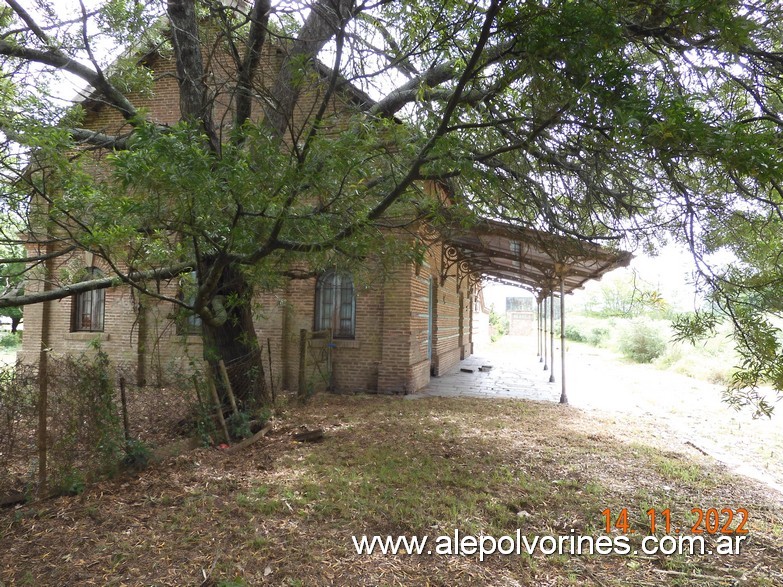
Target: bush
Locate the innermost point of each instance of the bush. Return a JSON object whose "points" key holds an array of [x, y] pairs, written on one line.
{"points": [[137, 455], [498, 325], [86, 428], [574, 333], [641, 342], [10, 341], [239, 425], [598, 335]]}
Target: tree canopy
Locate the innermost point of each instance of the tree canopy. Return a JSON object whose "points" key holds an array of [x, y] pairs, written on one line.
{"points": [[305, 130]]}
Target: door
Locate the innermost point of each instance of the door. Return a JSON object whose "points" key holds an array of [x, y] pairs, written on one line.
{"points": [[430, 318]]}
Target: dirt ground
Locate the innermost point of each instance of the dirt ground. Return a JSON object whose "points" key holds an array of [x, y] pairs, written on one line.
{"points": [[283, 513], [663, 407]]}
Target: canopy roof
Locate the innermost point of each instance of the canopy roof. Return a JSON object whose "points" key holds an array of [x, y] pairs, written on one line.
{"points": [[529, 258]]}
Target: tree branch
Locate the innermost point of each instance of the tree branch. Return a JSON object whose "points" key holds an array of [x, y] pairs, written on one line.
{"points": [[434, 76], [38, 258], [194, 101], [54, 57], [259, 19], [99, 139], [93, 284], [321, 25], [413, 172]]}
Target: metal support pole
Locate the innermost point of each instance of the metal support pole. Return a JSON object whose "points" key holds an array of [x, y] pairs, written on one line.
{"points": [[563, 396], [538, 328], [543, 334], [552, 334]]}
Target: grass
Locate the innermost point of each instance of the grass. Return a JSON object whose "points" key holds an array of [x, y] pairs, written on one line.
{"points": [[712, 360], [283, 513]]}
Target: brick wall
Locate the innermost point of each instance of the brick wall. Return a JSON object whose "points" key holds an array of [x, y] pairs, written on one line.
{"points": [[119, 337], [389, 353]]}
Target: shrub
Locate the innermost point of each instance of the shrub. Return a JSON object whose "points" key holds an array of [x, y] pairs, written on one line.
{"points": [[598, 335], [574, 333], [239, 425], [641, 342], [137, 455], [10, 341], [498, 325], [86, 428]]}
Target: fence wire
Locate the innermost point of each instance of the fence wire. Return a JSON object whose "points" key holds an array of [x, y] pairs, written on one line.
{"points": [[89, 427]]}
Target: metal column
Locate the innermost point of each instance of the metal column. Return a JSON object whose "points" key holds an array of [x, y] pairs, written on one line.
{"points": [[538, 327], [563, 396], [552, 334], [543, 334], [540, 331]]}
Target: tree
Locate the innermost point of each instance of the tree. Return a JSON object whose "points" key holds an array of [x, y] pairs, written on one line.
{"points": [[11, 273], [600, 119], [624, 294]]}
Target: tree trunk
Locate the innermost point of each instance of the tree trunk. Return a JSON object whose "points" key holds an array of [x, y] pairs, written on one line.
{"points": [[236, 343]]}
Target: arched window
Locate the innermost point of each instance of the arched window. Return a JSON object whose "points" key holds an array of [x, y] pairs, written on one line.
{"points": [[335, 304], [87, 308]]}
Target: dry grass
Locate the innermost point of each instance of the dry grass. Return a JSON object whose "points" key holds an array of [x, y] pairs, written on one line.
{"points": [[282, 513]]}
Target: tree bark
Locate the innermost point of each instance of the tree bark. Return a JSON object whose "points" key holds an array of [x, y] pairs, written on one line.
{"points": [[194, 95], [235, 342]]}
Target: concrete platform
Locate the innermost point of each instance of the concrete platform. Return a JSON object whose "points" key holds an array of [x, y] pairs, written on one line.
{"points": [[519, 375]]}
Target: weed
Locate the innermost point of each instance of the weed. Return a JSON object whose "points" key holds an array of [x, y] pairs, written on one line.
{"points": [[676, 471], [137, 455], [259, 542], [70, 482], [239, 425]]}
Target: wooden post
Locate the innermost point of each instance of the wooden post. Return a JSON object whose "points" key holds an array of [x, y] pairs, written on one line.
{"points": [[194, 378], [563, 396], [229, 390], [302, 363], [271, 378], [43, 380], [218, 405], [141, 348], [552, 334], [124, 402]]}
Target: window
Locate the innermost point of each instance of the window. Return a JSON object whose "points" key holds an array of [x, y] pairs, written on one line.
{"points": [[188, 322], [87, 308], [516, 250], [335, 304]]}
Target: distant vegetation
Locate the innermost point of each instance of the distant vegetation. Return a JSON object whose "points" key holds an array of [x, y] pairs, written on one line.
{"points": [[625, 316], [498, 324], [10, 341]]}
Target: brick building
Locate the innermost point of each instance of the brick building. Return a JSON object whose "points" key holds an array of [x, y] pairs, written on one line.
{"points": [[389, 335]]}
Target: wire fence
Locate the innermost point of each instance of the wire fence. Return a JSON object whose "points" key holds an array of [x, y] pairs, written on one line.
{"points": [[79, 419]]}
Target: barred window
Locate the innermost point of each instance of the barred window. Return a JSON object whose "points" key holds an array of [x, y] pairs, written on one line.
{"points": [[188, 322], [88, 308], [335, 304]]}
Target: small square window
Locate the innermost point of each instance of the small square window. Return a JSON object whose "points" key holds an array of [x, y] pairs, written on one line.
{"points": [[88, 308]]}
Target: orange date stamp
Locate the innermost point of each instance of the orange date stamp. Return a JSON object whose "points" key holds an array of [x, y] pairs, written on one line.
{"points": [[702, 521]]}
